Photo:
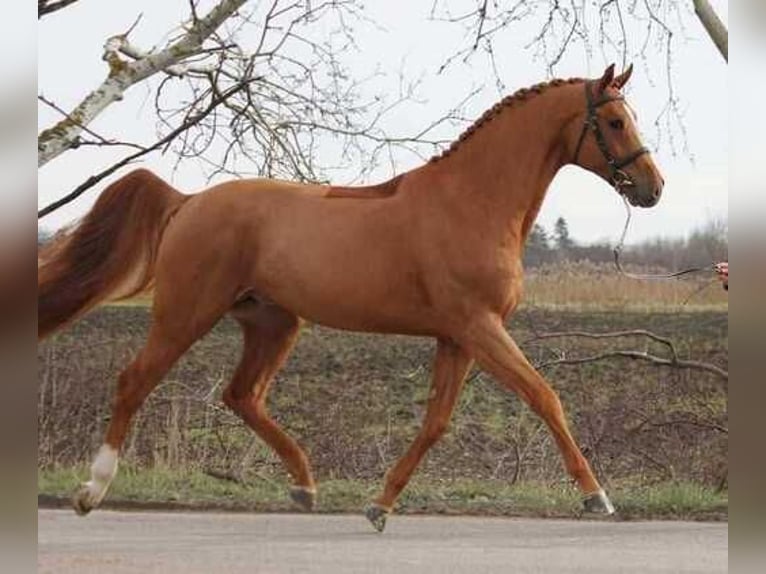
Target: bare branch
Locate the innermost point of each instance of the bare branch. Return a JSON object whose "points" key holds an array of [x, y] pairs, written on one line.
{"points": [[100, 140], [305, 106], [57, 139], [612, 335], [673, 361], [277, 124], [550, 29], [45, 7], [689, 421], [123, 46], [94, 179], [641, 356], [638, 355]]}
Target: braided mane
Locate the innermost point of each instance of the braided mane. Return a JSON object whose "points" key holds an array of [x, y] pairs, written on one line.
{"points": [[519, 96]]}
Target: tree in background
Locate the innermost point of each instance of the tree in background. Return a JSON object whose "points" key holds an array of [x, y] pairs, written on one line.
{"points": [[264, 82], [560, 26], [255, 84], [537, 249], [621, 30], [561, 239]]}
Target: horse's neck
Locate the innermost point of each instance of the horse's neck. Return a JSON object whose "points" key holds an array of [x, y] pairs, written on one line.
{"points": [[503, 170]]}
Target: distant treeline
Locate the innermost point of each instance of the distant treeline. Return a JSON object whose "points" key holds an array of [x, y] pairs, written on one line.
{"points": [[704, 245]]}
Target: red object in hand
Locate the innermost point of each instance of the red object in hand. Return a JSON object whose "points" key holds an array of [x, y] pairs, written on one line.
{"points": [[723, 273]]}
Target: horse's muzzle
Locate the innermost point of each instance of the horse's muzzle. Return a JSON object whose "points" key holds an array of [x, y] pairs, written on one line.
{"points": [[642, 196]]}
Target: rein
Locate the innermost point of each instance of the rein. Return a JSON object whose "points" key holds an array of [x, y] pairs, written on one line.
{"points": [[648, 276], [619, 179]]}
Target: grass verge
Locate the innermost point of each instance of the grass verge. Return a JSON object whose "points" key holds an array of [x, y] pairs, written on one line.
{"points": [[160, 488]]}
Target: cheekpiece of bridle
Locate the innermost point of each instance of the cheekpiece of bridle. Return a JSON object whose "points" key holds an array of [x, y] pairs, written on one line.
{"points": [[618, 178]]}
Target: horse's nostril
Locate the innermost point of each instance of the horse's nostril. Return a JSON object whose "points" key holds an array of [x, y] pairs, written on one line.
{"points": [[657, 192]]}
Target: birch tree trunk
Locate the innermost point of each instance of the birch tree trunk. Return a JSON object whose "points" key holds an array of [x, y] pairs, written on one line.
{"points": [[64, 135], [715, 28]]}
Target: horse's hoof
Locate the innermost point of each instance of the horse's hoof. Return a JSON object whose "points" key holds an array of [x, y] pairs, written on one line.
{"points": [[304, 497], [598, 503], [82, 501], [377, 515]]}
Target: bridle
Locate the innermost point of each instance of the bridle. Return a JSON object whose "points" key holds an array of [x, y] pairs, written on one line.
{"points": [[618, 178]]}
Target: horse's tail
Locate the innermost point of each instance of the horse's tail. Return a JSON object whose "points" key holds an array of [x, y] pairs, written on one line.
{"points": [[109, 254]]}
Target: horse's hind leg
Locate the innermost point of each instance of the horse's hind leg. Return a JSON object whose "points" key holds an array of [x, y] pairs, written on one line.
{"points": [[185, 308], [135, 383], [269, 334]]}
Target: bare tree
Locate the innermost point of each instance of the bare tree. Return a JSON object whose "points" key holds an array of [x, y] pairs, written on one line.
{"points": [[553, 27], [248, 88], [294, 98], [622, 30], [122, 75]]}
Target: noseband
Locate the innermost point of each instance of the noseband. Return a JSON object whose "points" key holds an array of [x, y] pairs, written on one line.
{"points": [[617, 177]]}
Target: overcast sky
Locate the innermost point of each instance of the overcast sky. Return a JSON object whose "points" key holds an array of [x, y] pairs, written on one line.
{"points": [[404, 39]]}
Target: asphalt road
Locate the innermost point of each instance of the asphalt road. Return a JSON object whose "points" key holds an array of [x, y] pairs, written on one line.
{"points": [[120, 542]]}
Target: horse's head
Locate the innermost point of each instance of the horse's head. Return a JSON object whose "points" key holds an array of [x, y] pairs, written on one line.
{"points": [[607, 142]]}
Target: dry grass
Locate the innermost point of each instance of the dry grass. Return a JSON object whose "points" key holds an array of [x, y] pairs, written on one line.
{"points": [[585, 285]]}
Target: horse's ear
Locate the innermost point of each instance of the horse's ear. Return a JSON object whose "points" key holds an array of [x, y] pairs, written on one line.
{"points": [[606, 80], [623, 78]]}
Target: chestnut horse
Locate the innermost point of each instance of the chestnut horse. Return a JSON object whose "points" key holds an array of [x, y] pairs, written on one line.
{"points": [[434, 252]]}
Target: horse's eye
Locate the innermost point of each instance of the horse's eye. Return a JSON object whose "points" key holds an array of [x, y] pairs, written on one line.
{"points": [[617, 124]]}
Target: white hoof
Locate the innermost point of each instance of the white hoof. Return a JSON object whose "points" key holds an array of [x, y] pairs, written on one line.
{"points": [[91, 493], [598, 503]]}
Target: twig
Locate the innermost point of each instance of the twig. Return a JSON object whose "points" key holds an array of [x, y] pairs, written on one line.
{"points": [[102, 141], [612, 335], [641, 356], [122, 75], [94, 179]]}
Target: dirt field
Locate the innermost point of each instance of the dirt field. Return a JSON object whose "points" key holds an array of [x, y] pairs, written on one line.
{"points": [[355, 402]]}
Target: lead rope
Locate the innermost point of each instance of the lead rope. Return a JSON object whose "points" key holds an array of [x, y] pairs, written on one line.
{"points": [[648, 276]]}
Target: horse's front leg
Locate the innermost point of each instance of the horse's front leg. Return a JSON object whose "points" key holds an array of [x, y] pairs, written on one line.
{"points": [[496, 352], [449, 370]]}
